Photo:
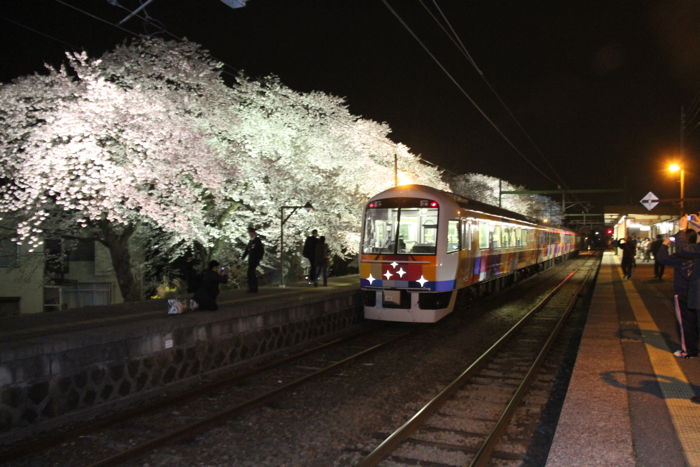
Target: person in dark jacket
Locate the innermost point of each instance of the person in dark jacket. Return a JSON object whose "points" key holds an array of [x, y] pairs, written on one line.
{"points": [[654, 248], [321, 261], [208, 289], [254, 251], [686, 290], [309, 252], [629, 250]]}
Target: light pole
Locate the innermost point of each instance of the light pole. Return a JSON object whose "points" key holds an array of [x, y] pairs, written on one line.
{"points": [[678, 168], [283, 220]]}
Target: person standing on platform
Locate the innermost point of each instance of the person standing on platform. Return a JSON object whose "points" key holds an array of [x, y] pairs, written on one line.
{"points": [[254, 251], [309, 252], [629, 250], [658, 267], [208, 289], [321, 261], [686, 291], [646, 249]]}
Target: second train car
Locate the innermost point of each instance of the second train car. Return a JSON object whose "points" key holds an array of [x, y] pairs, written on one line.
{"points": [[422, 246]]}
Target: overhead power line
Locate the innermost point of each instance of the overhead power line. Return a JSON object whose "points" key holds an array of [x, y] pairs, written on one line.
{"points": [[459, 44], [466, 94], [36, 31], [134, 34]]}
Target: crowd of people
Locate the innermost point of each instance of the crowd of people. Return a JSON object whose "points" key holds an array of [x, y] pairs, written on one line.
{"points": [[315, 251], [644, 250], [686, 285], [681, 252]]}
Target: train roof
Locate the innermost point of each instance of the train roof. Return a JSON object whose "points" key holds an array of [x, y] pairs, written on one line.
{"points": [[466, 203]]}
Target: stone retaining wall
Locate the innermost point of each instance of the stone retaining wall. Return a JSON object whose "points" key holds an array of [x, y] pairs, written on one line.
{"points": [[44, 382]]}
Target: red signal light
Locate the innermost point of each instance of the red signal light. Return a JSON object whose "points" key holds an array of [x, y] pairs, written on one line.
{"points": [[610, 231], [434, 204], [372, 205]]}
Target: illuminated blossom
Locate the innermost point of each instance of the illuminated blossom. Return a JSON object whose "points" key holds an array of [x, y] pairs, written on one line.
{"points": [[149, 143]]}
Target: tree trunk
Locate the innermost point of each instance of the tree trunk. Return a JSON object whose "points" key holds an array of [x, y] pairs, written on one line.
{"points": [[118, 244]]}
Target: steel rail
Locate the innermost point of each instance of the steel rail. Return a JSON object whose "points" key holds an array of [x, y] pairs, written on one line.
{"points": [[43, 443], [390, 444], [485, 451], [190, 430]]}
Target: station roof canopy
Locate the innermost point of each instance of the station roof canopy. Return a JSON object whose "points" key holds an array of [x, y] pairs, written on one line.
{"points": [[612, 213]]}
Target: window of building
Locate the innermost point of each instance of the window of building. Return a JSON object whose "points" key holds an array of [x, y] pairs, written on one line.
{"points": [[9, 254]]}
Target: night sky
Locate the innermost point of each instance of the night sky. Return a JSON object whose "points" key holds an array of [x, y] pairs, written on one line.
{"points": [[598, 85]]}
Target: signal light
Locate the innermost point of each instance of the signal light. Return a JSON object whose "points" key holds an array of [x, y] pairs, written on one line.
{"points": [[434, 204], [610, 231], [372, 205]]}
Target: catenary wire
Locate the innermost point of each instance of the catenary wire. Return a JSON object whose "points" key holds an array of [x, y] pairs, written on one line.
{"points": [[466, 94], [457, 41], [128, 31], [36, 31]]}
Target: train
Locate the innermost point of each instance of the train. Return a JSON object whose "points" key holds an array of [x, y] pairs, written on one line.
{"points": [[423, 248]]}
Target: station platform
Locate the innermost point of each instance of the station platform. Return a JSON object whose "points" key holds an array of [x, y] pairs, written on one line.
{"points": [[70, 365], [629, 399], [153, 312]]}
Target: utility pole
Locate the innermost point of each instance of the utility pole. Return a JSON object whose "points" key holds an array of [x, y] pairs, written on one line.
{"points": [[396, 170], [682, 135], [500, 193]]}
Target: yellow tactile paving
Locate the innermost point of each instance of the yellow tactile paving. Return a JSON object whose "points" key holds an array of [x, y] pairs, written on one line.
{"points": [[675, 387]]}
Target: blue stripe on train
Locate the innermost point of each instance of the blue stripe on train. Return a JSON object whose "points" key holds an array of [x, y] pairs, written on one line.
{"points": [[437, 286]]}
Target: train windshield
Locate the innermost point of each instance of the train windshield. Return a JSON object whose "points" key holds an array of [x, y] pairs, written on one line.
{"points": [[402, 231]]}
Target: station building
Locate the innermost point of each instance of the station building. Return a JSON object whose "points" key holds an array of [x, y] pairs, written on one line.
{"points": [[637, 221], [60, 275]]}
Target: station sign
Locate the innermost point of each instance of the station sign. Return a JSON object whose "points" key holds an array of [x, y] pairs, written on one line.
{"points": [[650, 201]]}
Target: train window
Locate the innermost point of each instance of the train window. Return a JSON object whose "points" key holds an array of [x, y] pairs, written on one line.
{"points": [[400, 231], [483, 235], [380, 230], [418, 231], [496, 238], [453, 236], [466, 235]]}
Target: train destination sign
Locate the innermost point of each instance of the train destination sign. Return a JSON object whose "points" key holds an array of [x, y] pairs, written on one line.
{"points": [[649, 201]]}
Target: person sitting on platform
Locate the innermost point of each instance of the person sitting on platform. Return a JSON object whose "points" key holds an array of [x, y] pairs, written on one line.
{"points": [[686, 291], [208, 289]]}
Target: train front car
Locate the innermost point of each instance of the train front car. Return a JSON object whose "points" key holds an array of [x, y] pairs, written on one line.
{"points": [[407, 263]]}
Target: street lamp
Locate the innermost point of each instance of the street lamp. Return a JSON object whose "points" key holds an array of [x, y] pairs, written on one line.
{"points": [[283, 220], [673, 168]]}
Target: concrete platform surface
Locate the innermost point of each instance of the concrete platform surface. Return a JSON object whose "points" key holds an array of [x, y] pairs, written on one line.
{"points": [[43, 325], [628, 402]]}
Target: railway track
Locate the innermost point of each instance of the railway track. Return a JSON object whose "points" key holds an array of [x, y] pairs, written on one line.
{"points": [[133, 433], [238, 393], [464, 423]]}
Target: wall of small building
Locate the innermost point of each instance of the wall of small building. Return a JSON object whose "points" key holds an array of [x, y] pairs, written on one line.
{"points": [[24, 287], [21, 282]]}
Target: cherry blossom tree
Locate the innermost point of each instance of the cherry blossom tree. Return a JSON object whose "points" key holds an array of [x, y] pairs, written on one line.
{"points": [[485, 188], [105, 161], [147, 147]]}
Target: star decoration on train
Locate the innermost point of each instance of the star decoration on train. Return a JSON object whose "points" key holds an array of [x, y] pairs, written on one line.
{"points": [[394, 264], [422, 281], [388, 275], [371, 278], [401, 273]]}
